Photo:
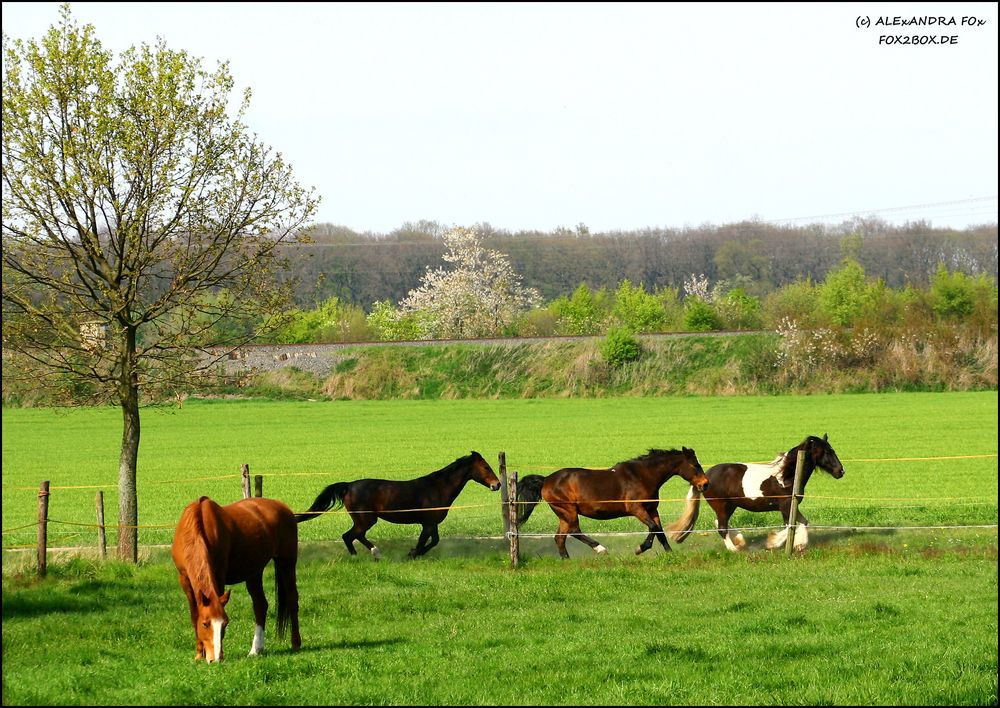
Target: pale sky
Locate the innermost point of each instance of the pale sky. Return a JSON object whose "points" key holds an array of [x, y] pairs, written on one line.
{"points": [[618, 116]]}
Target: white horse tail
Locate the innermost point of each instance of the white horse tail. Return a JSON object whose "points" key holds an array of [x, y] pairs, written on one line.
{"points": [[681, 529]]}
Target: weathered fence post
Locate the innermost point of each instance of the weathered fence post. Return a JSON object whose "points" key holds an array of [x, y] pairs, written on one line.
{"points": [[504, 497], [258, 485], [43, 521], [246, 481], [102, 539], [515, 541], [800, 460]]}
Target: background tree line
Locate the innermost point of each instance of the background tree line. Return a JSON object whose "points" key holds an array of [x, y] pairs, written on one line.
{"points": [[364, 268]]}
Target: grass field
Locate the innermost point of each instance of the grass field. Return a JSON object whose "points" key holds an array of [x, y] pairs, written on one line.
{"points": [[879, 616]]}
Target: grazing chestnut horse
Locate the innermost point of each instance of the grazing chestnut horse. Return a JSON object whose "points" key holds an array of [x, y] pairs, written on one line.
{"points": [[423, 501], [629, 488], [760, 487], [215, 546]]}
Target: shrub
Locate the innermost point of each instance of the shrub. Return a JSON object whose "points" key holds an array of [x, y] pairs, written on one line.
{"points": [[700, 316], [620, 346]]}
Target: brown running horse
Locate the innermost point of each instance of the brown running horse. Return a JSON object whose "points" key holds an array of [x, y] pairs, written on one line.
{"points": [[215, 546], [423, 501], [630, 488]]}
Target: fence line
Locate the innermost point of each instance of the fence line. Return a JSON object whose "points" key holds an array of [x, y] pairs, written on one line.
{"points": [[347, 474]]}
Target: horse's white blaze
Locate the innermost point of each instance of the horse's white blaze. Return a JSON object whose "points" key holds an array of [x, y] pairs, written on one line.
{"points": [[756, 475], [376, 552], [258, 640], [216, 653], [600, 549]]}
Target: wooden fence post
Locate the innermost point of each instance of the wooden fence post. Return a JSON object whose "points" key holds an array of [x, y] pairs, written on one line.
{"points": [[246, 481], [43, 521], [800, 460], [515, 541], [102, 539], [258, 485], [504, 496]]}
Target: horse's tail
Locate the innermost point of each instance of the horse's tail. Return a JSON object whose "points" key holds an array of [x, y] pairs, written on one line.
{"points": [[334, 494], [529, 493], [681, 529]]}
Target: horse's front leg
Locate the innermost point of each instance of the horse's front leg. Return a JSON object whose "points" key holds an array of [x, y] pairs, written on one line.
{"points": [[199, 648], [421, 548], [652, 522], [801, 533], [255, 586], [777, 539]]}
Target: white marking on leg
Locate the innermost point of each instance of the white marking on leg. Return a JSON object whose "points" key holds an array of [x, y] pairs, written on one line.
{"points": [[801, 536], [258, 641], [216, 653], [778, 539], [376, 552], [729, 543], [600, 549], [739, 540]]}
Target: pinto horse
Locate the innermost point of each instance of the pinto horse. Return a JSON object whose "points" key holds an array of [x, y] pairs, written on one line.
{"points": [[423, 501], [630, 488], [215, 546], [760, 487]]}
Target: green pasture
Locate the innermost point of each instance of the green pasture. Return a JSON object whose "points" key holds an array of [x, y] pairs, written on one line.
{"points": [[891, 615], [911, 459]]}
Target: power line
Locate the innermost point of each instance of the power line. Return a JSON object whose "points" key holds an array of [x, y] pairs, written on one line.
{"points": [[885, 209]]}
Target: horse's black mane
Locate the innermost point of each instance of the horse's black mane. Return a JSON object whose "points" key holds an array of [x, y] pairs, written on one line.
{"points": [[460, 462], [653, 454]]}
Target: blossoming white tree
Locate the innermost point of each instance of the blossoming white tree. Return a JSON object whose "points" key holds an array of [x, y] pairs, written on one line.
{"points": [[477, 296]]}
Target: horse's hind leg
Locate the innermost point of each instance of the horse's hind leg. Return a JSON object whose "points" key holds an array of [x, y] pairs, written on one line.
{"points": [[723, 512], [255, 586], [362, 522], [199, 649]]}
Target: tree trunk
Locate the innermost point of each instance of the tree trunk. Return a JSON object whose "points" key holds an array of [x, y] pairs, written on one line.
{"points": [[128, 506]]}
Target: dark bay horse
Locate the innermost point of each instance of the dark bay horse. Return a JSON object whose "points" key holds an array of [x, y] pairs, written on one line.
{"points": [[760, 487], [630, 488], [423, 501], [215, 546]]}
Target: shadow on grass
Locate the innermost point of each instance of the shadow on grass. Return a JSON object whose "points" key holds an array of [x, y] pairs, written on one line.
{"points": [[25, 605], [332, 646]]}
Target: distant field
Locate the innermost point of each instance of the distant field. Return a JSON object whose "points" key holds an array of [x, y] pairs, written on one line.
{"points": [[910, 458]]}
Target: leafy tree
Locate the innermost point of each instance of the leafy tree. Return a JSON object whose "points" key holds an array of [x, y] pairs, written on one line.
{"points": [[955, 294], [478, 297], [129, 195], [584, 312], [845, 294], [638, 310]]}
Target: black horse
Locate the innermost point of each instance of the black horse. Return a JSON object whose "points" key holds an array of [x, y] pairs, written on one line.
{"points": [[423, 501], [759, 487]]}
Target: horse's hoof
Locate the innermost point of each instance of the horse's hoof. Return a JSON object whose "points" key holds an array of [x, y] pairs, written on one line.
{"points": [[639, 550], [376, 553], [600, 549]]}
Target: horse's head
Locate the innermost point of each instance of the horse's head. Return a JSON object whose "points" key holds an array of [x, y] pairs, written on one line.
{"points": [[824, 456], [210, 626], [691, 470], [483, 473]]}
